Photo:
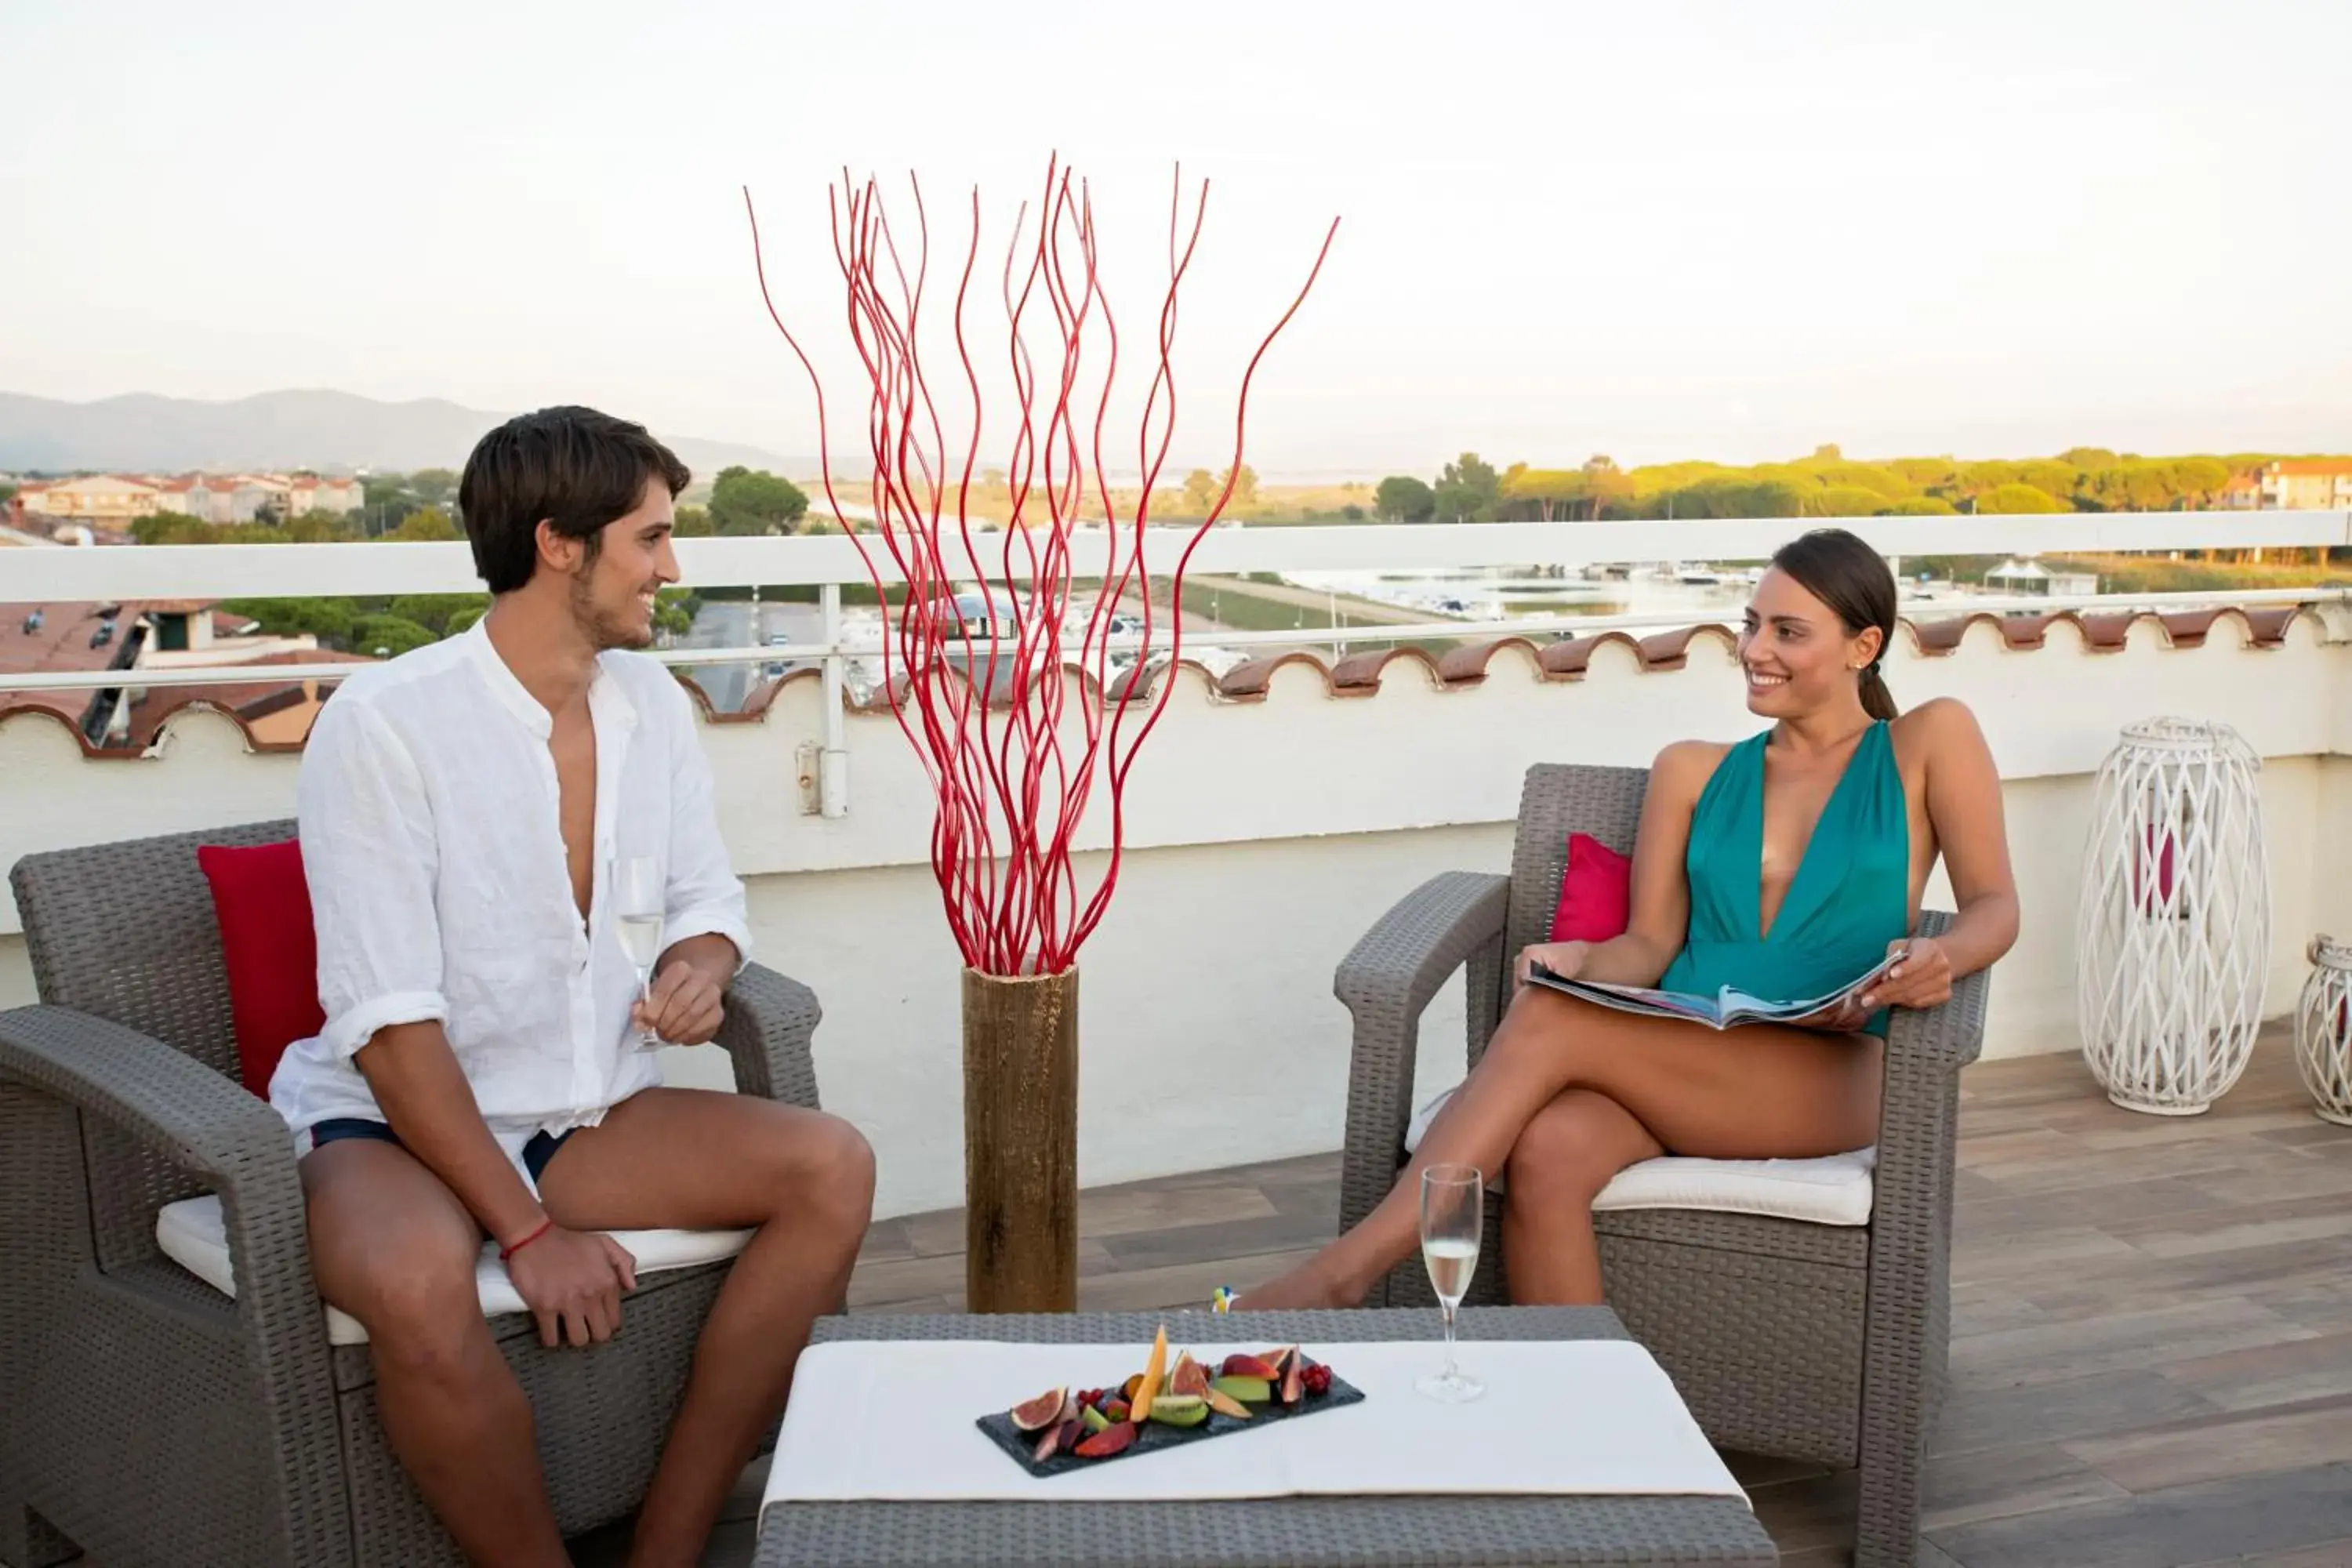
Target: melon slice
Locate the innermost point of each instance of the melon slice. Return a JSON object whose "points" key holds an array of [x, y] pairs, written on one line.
{"points": [[1139, 1404]]}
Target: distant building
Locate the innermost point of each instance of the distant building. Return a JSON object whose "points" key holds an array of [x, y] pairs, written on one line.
{"points": [[2310, 484], [96, 497], [2029, 579], [116, 499]]}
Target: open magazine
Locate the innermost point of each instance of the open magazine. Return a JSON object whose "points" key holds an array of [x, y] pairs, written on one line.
{"points": [[1729, 1007]]}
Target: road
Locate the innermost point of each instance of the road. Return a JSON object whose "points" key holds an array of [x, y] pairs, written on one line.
{"points": [[736, 624]]}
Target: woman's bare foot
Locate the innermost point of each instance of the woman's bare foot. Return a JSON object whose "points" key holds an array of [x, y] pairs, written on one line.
{"points": [[1308, 1285]]}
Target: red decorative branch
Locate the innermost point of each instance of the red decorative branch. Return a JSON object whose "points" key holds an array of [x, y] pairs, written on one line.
{"points": [[987, 709]]}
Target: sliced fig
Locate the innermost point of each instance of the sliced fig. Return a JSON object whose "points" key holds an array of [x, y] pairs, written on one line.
{"points": [[1059, 1439], [1291, 1386], [1189, 1377], [1045, 1410], [1109, 1441]]}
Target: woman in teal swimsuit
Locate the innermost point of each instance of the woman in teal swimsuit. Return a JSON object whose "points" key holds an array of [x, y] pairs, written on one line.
{"points": [[1784, 865]]}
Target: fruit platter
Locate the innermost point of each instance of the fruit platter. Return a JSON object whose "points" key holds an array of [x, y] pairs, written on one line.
{"points": [[1166, 1405]]}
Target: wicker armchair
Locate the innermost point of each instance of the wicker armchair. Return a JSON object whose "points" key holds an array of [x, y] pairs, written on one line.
{"points": [[1809, 1341], [146, 1418]]}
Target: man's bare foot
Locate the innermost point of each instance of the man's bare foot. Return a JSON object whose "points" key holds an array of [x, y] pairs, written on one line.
{"points": [[1308, 1285]]}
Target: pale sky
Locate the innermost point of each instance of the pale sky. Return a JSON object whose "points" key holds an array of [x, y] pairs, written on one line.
{"points": [[1650, 230]]}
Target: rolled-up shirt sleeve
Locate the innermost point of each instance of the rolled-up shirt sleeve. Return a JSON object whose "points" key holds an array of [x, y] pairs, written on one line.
{"points": [[368, 855], [705, 896]]}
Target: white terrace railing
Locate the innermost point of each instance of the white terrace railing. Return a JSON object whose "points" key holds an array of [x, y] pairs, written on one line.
{"points": [[827, 562]]}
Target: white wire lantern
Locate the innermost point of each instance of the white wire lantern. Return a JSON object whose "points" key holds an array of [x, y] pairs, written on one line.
{"points": [[2173, 939], [2323, 1031]]}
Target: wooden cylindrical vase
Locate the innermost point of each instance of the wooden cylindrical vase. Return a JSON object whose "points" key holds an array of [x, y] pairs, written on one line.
{"points": [[1020, 1141]]}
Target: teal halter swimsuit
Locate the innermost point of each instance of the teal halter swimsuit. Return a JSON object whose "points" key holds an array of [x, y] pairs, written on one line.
{"points": [[1850, 899]]}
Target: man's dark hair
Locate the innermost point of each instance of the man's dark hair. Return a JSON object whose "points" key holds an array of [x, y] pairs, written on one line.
{"points": [[577, 468]]}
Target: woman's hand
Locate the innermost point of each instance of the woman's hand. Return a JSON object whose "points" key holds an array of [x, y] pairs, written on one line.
{"points": [[1562, 958], [1923, 978]]}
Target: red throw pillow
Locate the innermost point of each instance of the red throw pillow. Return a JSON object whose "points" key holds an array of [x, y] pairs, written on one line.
{"points": [[1595, 895], [269, 949]]}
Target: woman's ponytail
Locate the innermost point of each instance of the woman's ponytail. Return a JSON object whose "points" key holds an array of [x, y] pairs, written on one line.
{"points": [[1877, 700]]}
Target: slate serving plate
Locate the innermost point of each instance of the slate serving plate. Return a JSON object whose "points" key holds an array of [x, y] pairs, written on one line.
{"points": [[1158, 1437]]}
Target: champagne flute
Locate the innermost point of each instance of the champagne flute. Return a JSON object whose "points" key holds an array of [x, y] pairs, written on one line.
{"points": [[1452, 1216], [637, 911]]}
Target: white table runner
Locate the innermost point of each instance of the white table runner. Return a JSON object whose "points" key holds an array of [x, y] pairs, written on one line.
{"points": [[893, 1420]]}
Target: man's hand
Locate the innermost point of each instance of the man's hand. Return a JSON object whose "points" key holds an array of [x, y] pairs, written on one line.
{"points": [[572, 1281], [1924, 978], [1562, 958], [685, 1006]]}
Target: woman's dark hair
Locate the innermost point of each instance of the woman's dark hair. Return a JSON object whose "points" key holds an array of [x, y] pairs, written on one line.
{"points": [[1854, 581], [575, 467]]}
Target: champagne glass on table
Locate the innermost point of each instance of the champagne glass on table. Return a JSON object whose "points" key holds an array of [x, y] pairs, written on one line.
{"points": [[1452, 1216], [637, 912]]}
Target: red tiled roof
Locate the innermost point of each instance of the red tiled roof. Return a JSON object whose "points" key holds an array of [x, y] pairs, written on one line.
{"points": [[2305, 468], [1353, 676], [63, 641]]}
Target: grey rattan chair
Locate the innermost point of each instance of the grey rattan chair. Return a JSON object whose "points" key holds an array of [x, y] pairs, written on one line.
{"points": [[1810, 1342], [146, 1418]]}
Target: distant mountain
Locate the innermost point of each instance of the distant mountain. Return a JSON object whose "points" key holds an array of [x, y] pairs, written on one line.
{"points": [[335, 431]]}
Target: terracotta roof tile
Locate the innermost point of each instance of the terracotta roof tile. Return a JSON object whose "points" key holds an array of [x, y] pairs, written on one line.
{"points": [[1355, 675]]}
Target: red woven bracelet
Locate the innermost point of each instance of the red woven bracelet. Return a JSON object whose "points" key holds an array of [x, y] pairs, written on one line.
{"points": [[544, 1227]]}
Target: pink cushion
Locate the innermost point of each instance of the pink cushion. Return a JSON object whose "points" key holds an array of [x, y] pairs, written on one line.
{"points": [[1595, 895]]}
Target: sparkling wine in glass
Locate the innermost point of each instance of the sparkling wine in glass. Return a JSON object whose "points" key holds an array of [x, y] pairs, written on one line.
{"points": [[1453, 1215], [637, 909]]}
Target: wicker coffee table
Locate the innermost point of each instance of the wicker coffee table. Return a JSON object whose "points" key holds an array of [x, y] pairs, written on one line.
{"points": [[1268, 1532]]}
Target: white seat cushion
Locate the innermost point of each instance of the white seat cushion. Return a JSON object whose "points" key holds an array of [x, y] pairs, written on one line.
{"points": [[191, 1234], [1833, 1190]]}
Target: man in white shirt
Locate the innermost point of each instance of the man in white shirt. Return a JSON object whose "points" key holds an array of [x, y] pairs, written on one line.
{"points": [[464, 809]]}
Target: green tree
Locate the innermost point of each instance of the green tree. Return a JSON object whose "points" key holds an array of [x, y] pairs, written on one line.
{"points": [[331, 619], [423, 524], [2087, 458], [1843, 501], [386, 636], [1201, 489], [438, 611], [433, 486], [674, 611], [754, 501], [377, 489], [1605, 485], [1245, 488], [1402, 498], [2019, 498], [317, 528], [1469, 489], [1919, 506], [693, 522]]}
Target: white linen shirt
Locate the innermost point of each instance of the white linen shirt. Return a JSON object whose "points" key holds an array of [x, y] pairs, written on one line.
{"points": [[428, 812]]}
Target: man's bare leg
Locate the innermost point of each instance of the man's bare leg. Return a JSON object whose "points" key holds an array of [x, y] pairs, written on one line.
{"points": [[1562, 1160], [703, 1161], [1757, 1092], [393, 1248]]}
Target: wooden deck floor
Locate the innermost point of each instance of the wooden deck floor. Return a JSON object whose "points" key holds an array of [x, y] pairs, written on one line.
{"points": [[2152, 1324]]}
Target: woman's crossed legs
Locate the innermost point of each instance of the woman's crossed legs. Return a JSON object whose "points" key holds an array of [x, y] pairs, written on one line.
{"points": [[1567, 1095]]}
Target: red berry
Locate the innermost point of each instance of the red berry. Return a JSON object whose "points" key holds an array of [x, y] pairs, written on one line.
{"points": [[1317, 1379]]}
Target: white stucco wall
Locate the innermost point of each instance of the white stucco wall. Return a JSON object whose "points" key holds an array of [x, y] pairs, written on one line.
{"points": [[1265, 834]]}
